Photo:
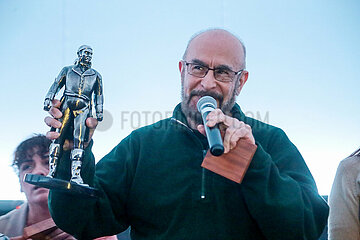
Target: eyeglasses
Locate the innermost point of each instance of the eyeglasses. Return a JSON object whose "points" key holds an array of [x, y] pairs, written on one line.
{"points": [[221, 74]]}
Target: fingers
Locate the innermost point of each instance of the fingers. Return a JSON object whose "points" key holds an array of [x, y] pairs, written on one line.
{"points": [[215, 117], [52, 135], [55, 112], [233, 128], [91, 123], [52, 121], [56, 103], [233, 135], [201, 129]]}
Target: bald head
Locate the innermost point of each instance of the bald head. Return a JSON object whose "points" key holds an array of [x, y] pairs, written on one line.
{"points": [[221, 40]]}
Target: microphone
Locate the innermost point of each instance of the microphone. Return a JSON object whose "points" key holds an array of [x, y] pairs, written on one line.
{"points": [[205, 105]]}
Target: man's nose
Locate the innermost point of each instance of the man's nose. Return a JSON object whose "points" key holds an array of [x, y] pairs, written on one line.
{"points": [[41, 170], [209, 81]]}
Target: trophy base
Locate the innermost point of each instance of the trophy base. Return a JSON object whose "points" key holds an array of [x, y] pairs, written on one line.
{"points": [[61, 185]]}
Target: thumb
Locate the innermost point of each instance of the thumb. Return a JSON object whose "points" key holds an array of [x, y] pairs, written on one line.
{"points": [[201, 129], [91, 123]]}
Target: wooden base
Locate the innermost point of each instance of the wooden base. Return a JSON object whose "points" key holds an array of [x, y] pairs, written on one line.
{"points": [[232, 165], [38, 230]]}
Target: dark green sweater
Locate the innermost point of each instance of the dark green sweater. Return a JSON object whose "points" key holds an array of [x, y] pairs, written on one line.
{"points": [[152, 180]]}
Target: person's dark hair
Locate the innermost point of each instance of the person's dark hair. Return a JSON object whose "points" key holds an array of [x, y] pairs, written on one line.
{"points": [[26, 149]]}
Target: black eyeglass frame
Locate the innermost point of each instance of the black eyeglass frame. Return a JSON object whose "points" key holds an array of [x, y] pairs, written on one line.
{"points": [[214, 71]]}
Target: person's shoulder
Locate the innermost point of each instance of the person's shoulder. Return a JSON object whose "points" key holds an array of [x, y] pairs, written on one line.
{"points": [[20, 210], [260, 125], [8, 215], [262, 130], [5, 220], [351, 163], [154, 128], [16, 217], [349, 169], [348, 174]]}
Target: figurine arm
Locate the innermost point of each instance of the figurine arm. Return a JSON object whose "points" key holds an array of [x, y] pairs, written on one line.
{"points": [[98, 98], [55, 87]]}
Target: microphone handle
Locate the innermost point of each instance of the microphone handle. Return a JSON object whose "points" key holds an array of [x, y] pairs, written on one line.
{"points": [[214, 137]]}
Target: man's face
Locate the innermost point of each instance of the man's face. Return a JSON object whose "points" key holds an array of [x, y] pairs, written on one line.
{"points": [[35, 164], [86, 55], [213, 50]]}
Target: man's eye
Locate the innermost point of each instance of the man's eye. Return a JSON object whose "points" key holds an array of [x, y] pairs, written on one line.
{"points": [[26, 167], [198, 68], [222, 71]]}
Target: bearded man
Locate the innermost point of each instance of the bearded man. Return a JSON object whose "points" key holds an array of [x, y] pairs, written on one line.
{"points": [[153, 180]]}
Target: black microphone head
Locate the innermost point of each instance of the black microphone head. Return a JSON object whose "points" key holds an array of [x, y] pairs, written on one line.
{"points": [[217, 150], [206, 101]]}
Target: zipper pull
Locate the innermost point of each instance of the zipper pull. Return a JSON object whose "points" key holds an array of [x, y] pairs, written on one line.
{"points": [[203, 180]]}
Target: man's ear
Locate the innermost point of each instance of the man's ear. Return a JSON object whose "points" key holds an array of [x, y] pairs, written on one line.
{"points": [[181, 69], [243, 78], [181, 65]]}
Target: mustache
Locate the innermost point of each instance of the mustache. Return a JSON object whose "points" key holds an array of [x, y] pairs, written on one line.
{"points": [[200, 93]]}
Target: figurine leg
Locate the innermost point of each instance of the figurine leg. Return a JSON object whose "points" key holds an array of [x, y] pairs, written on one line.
{"points": [[54, 153], [78, 151], [76, 161], [80, 128]]}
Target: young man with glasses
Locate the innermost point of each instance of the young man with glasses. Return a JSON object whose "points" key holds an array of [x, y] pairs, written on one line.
{"points": [[154, 182]]}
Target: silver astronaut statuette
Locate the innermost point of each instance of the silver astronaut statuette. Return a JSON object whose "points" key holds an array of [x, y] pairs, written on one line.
{"points": [[82, 89]]}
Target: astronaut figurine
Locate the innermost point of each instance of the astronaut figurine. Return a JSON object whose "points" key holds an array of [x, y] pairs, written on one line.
{"points": [[80, 82]]}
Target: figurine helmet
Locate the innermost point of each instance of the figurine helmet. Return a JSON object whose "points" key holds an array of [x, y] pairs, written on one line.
{"points": [[83, 47]]}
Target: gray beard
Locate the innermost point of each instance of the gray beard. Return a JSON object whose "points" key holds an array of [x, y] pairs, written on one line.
{"points": [[193, 116]]}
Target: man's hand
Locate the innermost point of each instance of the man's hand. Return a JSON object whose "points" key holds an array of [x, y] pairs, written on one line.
{"points": [[232, 129], [52, 121]]}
